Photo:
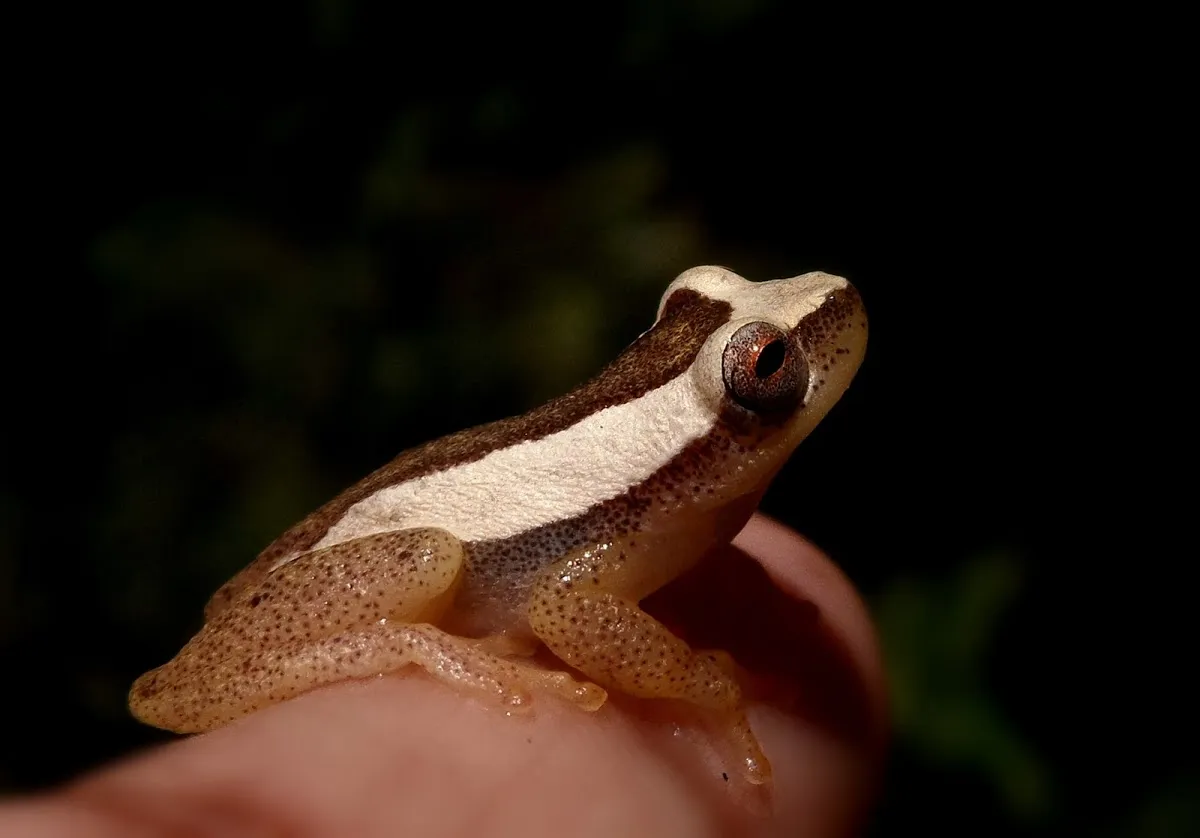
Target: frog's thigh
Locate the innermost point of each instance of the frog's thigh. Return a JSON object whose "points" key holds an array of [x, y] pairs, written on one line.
{"points": [[408, 575], [405, 575]]}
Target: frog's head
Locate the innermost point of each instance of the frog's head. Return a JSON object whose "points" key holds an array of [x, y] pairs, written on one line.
{"points": [[776, 357], [699, 412]]}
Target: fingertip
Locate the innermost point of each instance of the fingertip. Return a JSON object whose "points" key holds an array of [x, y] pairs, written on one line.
{"points": [[807, 576], [826, 746]]}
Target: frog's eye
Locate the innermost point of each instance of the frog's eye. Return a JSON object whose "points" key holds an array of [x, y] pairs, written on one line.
{"points": [[763, 370]]}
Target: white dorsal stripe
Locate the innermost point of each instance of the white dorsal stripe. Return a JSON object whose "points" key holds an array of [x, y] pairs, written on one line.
{"points": [[514, 489]]}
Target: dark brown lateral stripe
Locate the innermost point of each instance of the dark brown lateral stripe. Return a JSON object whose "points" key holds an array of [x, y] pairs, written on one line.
{"points": [[661, 354]]}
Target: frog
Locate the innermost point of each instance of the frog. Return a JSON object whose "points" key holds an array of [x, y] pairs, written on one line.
{"points": [[470, 556]]}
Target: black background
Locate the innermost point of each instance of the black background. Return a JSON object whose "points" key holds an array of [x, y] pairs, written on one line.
{"points": [[269, 247]]}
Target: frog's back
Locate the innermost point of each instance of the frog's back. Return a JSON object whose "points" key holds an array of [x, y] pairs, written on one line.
{"points": [[526, 474]]}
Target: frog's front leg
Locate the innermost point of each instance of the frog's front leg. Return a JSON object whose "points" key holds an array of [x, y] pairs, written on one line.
{"points": [[355, 610], [584, 608]]}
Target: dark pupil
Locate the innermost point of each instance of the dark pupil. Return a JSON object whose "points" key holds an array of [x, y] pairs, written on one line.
{"points": [[770, 359]]}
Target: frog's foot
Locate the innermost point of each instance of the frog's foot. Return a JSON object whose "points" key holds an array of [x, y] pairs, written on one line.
{"points": [[739, 740], [743, 746], [483, 666], [586, 695]]}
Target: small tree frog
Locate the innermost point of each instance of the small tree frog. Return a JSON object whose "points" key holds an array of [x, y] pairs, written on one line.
{"points": [[464, 555]]}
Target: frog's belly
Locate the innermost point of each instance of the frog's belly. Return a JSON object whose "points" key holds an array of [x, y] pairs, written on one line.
{"points": [[498, 575], [482, 613], [495, 589]]}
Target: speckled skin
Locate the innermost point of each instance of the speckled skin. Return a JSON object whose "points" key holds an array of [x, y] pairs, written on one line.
{"points": [[469, 612]]}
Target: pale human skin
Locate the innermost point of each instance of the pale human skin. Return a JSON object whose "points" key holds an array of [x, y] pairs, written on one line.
{"points": [[406, 755]]}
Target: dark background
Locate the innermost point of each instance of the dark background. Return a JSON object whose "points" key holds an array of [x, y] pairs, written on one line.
{"points": [[274, 245]]}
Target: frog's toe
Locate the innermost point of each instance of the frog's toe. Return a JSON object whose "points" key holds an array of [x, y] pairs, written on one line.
{"points": [[589, 696]]}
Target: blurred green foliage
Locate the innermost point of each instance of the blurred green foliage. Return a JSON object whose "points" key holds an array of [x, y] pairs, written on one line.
{"points": [[304, 237], [936, 638]]}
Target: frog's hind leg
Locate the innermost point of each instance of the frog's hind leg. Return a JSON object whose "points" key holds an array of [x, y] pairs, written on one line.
{"points": [[355, 610]]}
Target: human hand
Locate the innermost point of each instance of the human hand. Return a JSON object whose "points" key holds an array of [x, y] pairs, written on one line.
{"points": [[406, 755]]}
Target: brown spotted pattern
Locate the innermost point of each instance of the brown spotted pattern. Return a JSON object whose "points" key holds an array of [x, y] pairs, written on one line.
{"points": [[464, 612]]}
